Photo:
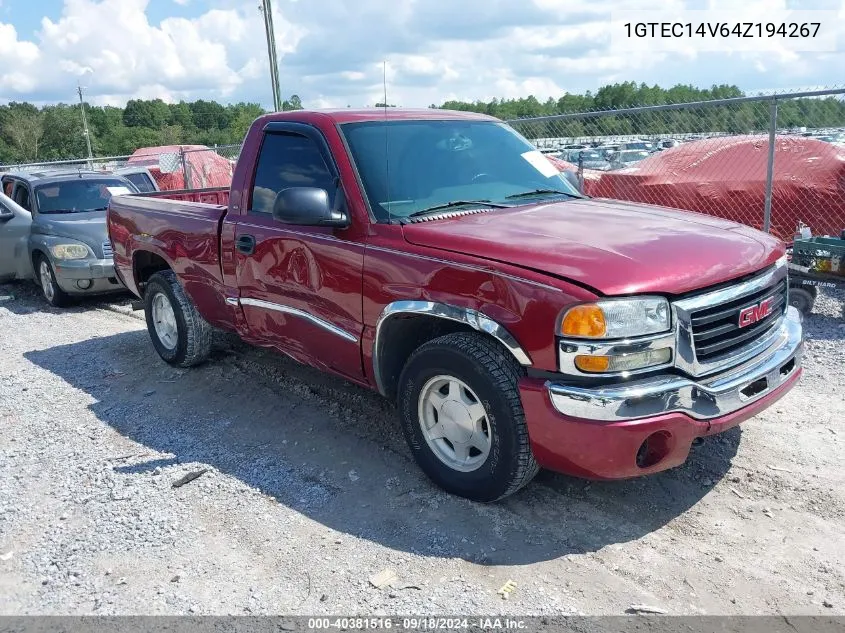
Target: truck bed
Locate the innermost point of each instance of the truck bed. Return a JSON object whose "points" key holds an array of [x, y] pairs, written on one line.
{"points": [[212, 195], [179, 228]]}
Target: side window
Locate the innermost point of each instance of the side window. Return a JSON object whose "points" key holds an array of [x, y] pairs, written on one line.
{"points": [[287, 160], [8, 185], [141, 181], [22, 196]]}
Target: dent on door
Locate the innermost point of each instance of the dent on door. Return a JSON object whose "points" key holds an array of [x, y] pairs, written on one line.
{"points": [[301, 294]]}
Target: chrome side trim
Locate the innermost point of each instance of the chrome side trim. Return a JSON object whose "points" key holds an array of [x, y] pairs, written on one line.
{"points": [[568, 349], [232, 301], [278, 307], [685, 358], [473, 318], [704, 400]]}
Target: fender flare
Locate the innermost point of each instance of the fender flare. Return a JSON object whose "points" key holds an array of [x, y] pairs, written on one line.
{"points": [[473, 318]]}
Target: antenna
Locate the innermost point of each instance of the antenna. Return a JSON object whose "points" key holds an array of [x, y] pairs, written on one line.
{"points": [[386, 144]]}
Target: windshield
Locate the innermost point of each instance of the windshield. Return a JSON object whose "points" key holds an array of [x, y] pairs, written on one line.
{"points": [[412, 165], [79, 195]]}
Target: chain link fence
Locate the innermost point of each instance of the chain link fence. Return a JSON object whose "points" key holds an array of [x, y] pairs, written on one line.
{"points": [[771, 162], [175, 167]]}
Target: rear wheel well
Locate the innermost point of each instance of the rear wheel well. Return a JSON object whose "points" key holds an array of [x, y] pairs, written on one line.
{"points": [[146, 264], [400, 336]]}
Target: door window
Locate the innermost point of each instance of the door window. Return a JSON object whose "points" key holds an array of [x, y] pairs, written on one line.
{"points": [[288, 160], [22, 196]]}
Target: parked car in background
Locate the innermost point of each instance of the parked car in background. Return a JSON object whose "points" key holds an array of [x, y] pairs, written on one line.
{"points": [[67, 251], [627, 157], [726, 177], [139, 176], [15, 222], [667, 143], [646, 146], [607, 151], [588, 159], [187, 166], [516, 323]]}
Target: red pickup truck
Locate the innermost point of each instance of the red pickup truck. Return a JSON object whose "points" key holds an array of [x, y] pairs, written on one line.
{"points": [[440, 259]]}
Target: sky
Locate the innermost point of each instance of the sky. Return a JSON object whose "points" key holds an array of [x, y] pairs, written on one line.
{"points": [[332, 52]]}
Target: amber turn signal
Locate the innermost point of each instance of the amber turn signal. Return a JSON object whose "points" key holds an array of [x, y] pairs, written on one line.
{"points": [[592, 364], [585, 320]]}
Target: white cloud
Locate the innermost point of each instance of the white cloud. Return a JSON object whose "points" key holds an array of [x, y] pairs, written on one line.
{"points": [[331, 52]]}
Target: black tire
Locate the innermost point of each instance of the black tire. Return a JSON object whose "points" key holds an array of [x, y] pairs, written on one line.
{"points": [[50, 290], [802, 300], [193, 333], [492, 373]]}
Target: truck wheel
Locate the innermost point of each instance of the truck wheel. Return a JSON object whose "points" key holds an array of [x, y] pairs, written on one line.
{"points": [[802, 300], [462, 416], [54, 295], [179, 334]]}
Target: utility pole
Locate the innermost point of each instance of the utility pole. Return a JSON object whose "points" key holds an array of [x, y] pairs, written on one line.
{"points": [[271, 53], [85, 132]]}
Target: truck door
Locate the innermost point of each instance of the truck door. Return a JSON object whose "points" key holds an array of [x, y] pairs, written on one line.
{"points": [[300, 286]]}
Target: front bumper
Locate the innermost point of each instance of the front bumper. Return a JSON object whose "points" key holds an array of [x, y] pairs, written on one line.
{"points": [[703, 400], [647, 425], [72, 275]]}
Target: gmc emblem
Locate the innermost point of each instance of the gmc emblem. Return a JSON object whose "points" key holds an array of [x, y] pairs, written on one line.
{"points": [[757, 312]]}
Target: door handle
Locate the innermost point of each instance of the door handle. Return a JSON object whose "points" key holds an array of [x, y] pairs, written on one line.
{"points": [[245, 244]]}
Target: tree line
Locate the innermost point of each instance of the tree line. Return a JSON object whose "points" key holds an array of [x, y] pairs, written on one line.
{"points": [[734, 118], [55, 132]]}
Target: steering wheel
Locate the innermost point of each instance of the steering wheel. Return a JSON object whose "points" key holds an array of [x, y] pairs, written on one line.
{"points": [[479, 176]]}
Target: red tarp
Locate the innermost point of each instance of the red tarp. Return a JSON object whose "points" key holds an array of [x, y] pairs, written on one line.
{"points": [[205, 167], [726, 177], [562, 165]]}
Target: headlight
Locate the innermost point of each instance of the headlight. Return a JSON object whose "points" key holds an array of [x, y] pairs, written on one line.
{"points": [[617, 318], [69, 251]]}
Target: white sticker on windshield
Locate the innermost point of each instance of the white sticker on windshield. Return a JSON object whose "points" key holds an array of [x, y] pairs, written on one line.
{"points": [[118, 191], [541, 163]]}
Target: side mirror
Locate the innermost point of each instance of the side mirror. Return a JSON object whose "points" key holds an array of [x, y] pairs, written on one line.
{"points": [[308, 206], [6, 214]]}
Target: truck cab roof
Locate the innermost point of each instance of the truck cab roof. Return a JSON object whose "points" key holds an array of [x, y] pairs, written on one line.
{"points": [[353, 115]]}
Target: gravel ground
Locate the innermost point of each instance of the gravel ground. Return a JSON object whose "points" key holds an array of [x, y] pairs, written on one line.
{"points": [[309, 491]]}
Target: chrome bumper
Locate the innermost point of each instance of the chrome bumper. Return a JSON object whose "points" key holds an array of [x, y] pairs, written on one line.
{"points": [[710, 398]]}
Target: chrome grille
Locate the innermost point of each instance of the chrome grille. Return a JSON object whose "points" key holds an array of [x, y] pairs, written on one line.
{"points": [[107, 252], [716, 331]]}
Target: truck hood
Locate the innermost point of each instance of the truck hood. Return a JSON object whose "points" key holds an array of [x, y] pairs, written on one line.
{"points": [[89, 228], [609, 246]]}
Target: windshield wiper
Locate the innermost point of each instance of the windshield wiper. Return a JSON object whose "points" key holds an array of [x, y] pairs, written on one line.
{"points": [[457, 203], [540, 192]]}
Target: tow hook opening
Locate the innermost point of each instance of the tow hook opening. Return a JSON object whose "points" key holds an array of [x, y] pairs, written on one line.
{"points": [[654, 449], [755, 388]]}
